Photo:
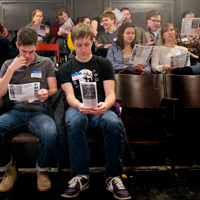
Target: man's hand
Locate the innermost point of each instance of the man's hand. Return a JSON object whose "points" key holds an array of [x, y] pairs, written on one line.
{"points": [[17, 63], [42, 95], [84, 109], [106, 46], [101, 109], [63, 32], [198, 31]]}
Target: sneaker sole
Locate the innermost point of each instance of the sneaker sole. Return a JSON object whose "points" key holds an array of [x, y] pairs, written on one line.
{"points": [[66, 196], [116, 197]]}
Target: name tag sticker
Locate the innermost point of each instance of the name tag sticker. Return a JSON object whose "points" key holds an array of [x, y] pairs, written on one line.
{"points": [[76, 76], [178, 53], [184, 39], [36, 74]]}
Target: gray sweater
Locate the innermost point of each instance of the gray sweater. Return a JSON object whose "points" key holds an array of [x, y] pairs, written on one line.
{"points": [[106, 38]]}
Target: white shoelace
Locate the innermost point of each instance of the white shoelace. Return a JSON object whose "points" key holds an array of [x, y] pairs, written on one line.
{"points": [[75, 180], [118, 182]]}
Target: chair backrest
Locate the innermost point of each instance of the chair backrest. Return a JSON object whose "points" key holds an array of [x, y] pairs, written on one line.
{"points": [[139, 91], [49, 47], [185, 88]]}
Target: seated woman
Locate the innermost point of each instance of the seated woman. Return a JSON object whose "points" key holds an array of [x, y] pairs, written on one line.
{"points": [[119, 53], [160, 61], [37, 17], [191, 42], [84, 20]]}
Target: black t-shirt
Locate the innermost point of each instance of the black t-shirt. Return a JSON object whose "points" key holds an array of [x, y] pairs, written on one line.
{"points": [[97, 69]]}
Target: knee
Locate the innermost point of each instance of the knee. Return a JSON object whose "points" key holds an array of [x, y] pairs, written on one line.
{"points": [[75, 120]]}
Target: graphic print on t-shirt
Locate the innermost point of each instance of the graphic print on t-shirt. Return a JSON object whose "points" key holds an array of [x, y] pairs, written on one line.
{"points": [[87, 76]]}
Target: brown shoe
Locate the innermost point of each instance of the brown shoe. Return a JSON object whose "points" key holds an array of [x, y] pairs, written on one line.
{"points": [[43, 181], [9, 178]]}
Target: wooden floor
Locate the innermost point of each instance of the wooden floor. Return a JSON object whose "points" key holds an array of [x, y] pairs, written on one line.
{"points": [[144, 183]]}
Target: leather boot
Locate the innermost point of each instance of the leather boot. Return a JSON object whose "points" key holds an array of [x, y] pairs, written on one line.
{"points": [[9, 178], [43, 181]]}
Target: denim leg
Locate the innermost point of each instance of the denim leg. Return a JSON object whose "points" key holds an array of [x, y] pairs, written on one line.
{"points": [[112, 130], [76, 125], [43, 127], [196, 69], [11, 123]]}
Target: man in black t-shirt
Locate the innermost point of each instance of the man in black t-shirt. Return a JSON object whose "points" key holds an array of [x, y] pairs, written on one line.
{"points": [[78, 76]]}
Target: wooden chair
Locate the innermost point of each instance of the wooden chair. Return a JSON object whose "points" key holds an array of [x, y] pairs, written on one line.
{"points": [[49, 47]]}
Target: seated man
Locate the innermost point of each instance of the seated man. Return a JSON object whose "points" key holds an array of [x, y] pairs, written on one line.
{"points": [[60, 34], [106, 38], [147, 36], [28, 67], [126, 11], [86, 67], [6, 50]]}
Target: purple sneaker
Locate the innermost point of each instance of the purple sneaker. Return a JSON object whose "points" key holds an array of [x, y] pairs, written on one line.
{"points": [[115, 185], [76, 184]]}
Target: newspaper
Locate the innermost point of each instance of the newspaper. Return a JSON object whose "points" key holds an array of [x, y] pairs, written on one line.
{"points": [[23, 92], [89, 93], [68, 25], [40, 29], [189, 26], [141, 54], [180, 60], [119, 16], [157, 39]]}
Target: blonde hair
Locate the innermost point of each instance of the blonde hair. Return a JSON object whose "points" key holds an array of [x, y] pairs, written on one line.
{"points": [[110, 15], [34, 13], [164, 29], [109, 9]]}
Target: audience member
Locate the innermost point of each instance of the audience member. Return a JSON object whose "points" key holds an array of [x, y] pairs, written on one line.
{"points": [[96, 24], [119, 53], [6, 50], [161, 58], [79, 117], [28, 67], [106, 38], [147, 36], [37, 17], [84, 20], [3, 31], [191, 42], [59, 35], [126, 11]]}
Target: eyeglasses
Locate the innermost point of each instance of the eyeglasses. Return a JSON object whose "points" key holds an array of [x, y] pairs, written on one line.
{"points": [[154, 21]]}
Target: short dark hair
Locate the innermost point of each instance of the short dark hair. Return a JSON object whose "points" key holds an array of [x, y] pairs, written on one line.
{"points": [[80, 31], [152, 13], [27, 36], [120, 38], [59, 12], [81, 19], [125, 8]]}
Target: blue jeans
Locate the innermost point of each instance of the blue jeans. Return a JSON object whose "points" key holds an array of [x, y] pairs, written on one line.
{"points": [[196, 69], [39, 124], [107, 124]]}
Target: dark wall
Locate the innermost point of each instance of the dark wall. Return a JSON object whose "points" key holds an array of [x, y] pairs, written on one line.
{"points": [[17, 13]]}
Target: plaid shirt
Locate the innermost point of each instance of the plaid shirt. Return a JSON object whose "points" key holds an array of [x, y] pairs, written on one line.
{"points": [[192, 44]]}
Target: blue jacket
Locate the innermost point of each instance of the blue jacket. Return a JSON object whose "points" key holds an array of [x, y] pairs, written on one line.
{"points": [[115, 55]]}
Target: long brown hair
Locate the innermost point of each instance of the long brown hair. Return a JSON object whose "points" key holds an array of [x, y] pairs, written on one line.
{"points": [[164, 29], [120, 38]]}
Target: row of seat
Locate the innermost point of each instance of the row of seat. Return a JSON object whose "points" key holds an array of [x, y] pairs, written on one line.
{"points": [[154, 108]]}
